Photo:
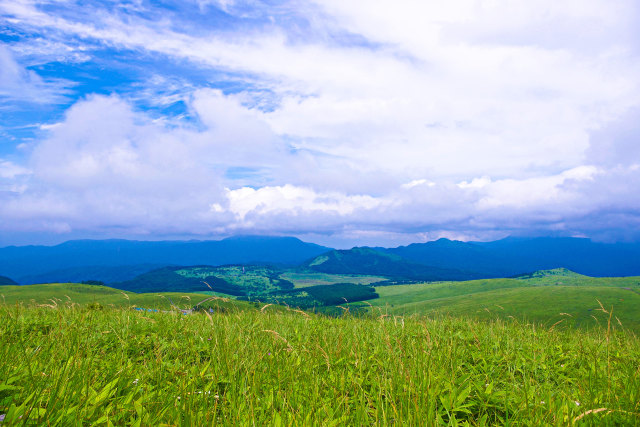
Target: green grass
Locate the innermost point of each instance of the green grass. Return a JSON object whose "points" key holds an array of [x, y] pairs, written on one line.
{"points": [[570, 305], [544, 298], [63, 293], [564, 277], [74, 366], [305, 279]]}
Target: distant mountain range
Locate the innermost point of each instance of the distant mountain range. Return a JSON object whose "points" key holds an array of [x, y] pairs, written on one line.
{"points": [[512, 256], [113, 261], [104, 259]]}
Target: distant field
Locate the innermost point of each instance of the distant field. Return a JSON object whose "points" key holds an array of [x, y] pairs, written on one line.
{"points": [[302, 280], [539, 299]]}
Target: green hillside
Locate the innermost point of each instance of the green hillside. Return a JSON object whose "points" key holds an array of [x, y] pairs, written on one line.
{"points": [[235, 280], [250, 279], [68, 293], [367, 261], [63, 294], [556, 272], [546, 297], [258, 283]]}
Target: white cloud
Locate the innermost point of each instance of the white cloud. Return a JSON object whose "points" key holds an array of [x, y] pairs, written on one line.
{"points": [[532, 193], [292, 200], [417, 182], [12, 177], [476, 183], [107, 165], [17, 84], [10, 170], [445, 118]]}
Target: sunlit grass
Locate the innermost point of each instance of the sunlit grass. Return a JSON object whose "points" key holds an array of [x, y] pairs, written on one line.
{"points": [[70, 365], [539, 302]]}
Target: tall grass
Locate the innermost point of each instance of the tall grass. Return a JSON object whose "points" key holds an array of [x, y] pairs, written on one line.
{"points": [[75, 365]]}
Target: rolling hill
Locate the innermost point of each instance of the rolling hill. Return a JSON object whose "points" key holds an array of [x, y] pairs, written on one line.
{"points": [[544, 296], [230, 279], [368, 261], [253, 283], [63, 294]]}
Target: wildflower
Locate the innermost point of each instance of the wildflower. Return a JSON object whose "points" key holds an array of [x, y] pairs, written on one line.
{"points": [[577, 403], [135, 382]]}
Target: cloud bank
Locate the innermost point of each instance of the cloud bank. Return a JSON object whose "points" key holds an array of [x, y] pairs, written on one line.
{"points": [[348, 122]]}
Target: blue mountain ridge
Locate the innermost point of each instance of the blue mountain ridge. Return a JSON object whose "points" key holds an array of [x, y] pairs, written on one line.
{"points": [[106, 257], [119, 260]]}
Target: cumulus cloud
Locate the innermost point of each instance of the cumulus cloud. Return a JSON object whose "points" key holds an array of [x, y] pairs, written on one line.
{"points": [[466, 118], [107, 165], [292, 200]]}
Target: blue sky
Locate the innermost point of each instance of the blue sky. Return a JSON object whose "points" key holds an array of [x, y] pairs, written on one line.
{"points": [[343, 123]]}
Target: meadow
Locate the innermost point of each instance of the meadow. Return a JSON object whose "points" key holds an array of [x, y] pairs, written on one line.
{"points": [[303, 279], [80, 364], [546, 297]]}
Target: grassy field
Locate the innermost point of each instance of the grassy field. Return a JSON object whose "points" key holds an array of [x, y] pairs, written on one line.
{"points": [[568, 298], [305, 279], [71, 366]]}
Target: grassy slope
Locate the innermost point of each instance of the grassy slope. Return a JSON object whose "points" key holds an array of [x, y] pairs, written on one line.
{"points": [[575, 306], [539, 299], [65, 366], [62, 293], [305, 279]]}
